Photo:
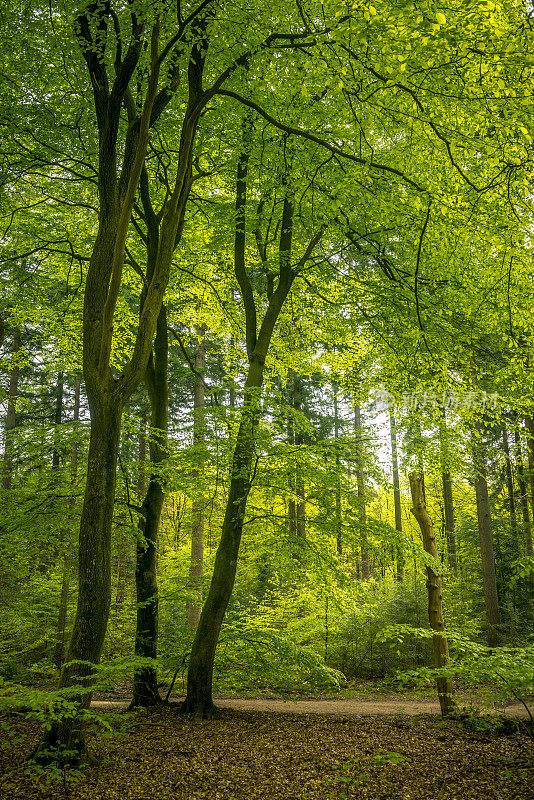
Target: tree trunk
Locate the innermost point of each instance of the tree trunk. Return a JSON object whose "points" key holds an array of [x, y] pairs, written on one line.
{"points": [[510, 490], [11, 415], [94, 594], [296, 507], [434, 588], [523, 493], [396, 492], [339, 530], [448, 505], [491, 598], [360, 483], [529, 429], [196, 568], [199, 700], [145, 689]]}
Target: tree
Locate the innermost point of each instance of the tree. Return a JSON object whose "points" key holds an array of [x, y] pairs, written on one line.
{"points": [[199, 700], [491, 598], [433, 583], [106, 393]]}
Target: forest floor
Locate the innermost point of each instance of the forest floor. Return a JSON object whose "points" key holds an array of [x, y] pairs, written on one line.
{"points": [[332, 706], [248, 754]]}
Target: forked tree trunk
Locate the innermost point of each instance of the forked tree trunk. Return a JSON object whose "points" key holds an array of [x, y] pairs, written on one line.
{"points": [[396, 492], [434, 588], [105, 393], [199, 700], [196, 567], [485, 533]]}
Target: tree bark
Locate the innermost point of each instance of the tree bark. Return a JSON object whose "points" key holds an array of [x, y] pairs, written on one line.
{"points": [[448, 504], [396, 492], [145, 688], [11, 415], [523, 493], [296, 507], [434, 588], [339, 530], [196, 567], [510, 490], [529, 430], [491, 597], [198, 701], [94, 584], [360, 483]]}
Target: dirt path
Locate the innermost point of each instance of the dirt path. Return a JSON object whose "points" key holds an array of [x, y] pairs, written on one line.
{"points": [[342, 707]]}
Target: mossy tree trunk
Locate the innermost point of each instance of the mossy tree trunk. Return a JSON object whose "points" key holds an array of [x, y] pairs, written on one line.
{"points": [[145, 689], [485, 533], [196, 566], [434, 588], [107, 394]]}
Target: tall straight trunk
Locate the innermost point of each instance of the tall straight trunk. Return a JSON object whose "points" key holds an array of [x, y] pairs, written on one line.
{"points": [[360, 484], [448, 505], [510, 490], [529, 430], [523, 492], [435, 600], [196, 567], [59, 649], [145, 688], [485, 533], [140, 484], [299, 476], [296, 507], [199, 700], [58, 416], [94, 575], [11, 415], [339, 529], [396, 491]]}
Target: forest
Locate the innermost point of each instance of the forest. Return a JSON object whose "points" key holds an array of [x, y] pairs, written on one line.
{"points": [[267, 399]]}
